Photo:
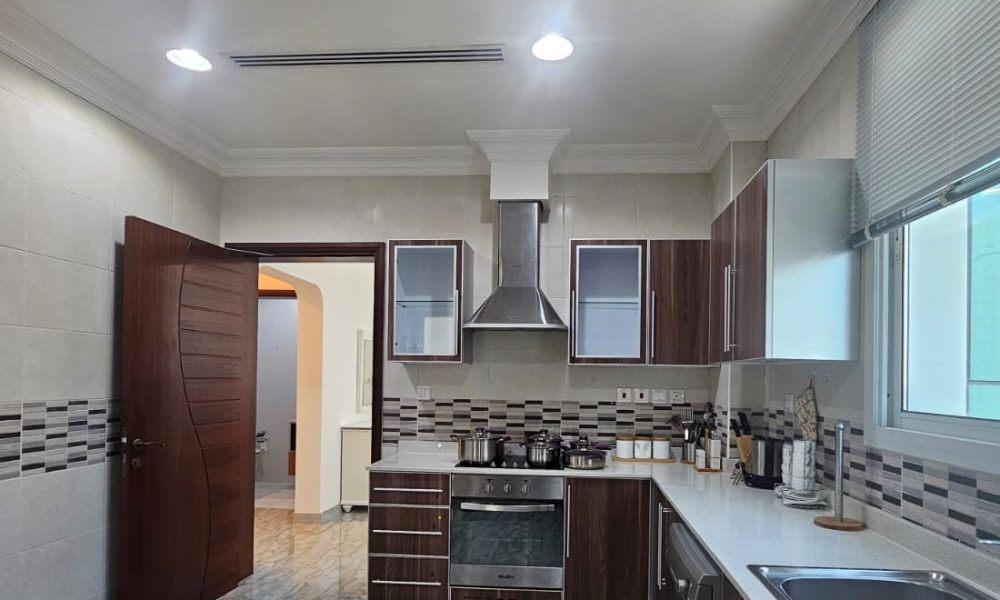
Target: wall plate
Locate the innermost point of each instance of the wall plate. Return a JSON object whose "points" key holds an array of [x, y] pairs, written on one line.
{"points": [[677, 396], [659, 396], [423, 392], [641, 395], [624, 395]]}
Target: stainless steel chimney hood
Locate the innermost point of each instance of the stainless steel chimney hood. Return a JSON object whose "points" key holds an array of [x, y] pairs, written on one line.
{"points": [[518, 302], [519, 182]]}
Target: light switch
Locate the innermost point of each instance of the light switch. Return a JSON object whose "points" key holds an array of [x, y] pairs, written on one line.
{"points": [[624, 394], [659, 396], [677, 396], [423, 392], [641, 395]]}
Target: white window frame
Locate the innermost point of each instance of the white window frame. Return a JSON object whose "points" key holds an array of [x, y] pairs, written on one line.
{"points": [[952, 440]]}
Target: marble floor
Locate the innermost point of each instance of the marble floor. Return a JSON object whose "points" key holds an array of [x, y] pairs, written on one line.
{"points": [[299, 561], [274, 495]]}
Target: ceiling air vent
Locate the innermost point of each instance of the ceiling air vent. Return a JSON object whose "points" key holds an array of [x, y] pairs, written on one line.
{"points": [[372, 57]]}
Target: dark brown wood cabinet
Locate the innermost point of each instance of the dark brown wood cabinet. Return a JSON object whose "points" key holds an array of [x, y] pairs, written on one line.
{"points": [[722, 252], [409, 488], [497, 594], [420, 531], [608, 297], [679, 302], [661, 584], [407, 578], [749, 288], [607, 536]]}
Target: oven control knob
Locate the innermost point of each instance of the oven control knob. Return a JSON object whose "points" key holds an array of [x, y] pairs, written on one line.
{"points": [[506, 488], [489, 486], [525, 488]]}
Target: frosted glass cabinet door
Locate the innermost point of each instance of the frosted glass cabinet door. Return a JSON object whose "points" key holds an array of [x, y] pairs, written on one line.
{"points": [[608, 301], [425, 317]]}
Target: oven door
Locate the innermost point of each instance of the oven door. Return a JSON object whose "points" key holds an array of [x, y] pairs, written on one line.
{"points": [[507, 543]]}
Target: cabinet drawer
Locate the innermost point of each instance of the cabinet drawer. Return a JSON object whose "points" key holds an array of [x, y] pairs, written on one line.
{"points": [[409, 488], [407, 579], [490, 594], [405, 530]]}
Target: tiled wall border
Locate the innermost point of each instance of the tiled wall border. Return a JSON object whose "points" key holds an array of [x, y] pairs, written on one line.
{"points": [[54, 435]]}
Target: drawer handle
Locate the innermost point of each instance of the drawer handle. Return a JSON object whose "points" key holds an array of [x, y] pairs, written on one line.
{"points": [[408, 490], [406, 532], [417, 583]]}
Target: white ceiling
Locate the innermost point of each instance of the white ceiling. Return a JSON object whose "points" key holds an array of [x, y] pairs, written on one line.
{"points": [[644, 71]]}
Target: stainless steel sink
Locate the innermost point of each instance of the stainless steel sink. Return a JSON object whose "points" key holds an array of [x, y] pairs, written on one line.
{"points": [[812, 583]]}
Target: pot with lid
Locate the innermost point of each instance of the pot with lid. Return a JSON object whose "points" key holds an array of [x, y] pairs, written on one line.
{"points": [[584, 455], [480, 448], [543, 450]]}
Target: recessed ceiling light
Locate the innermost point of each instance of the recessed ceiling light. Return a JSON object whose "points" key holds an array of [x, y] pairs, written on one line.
{"points": [[552, 47], [189, 59]]}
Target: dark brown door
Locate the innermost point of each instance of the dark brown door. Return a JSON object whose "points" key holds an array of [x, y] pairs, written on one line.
{"points": [[663, 517], [679, 305], [607, 534], [189, 329], [720, 282], [749, 289]]}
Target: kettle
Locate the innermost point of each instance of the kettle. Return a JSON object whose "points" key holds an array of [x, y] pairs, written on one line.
{"points": [[763, 470]]}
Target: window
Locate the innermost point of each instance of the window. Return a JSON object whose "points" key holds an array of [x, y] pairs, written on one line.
{"points": [[945, 321]]}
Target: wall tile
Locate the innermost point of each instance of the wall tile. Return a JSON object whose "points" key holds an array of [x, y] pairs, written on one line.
{"points": [[196, 201], [68, 157], [10, 518], [64, 504], [63, 225], [12, 286], [62, 295], [143, 177], [79, 561], [11, 358], [13, 208], [60, 365], [12, 576], [15, 122], [10, 444]]}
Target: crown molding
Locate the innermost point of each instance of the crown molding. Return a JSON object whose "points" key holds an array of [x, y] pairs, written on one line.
{"points": [[826, 28], [37, 47], [518, 145]]}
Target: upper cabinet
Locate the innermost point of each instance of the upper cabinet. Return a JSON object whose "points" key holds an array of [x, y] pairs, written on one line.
{"points": [[784, 282], [679, 302], [608, 301], [426, 300]]}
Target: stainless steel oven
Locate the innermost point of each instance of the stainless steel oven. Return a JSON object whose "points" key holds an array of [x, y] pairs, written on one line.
{"points": [[507, 531]]}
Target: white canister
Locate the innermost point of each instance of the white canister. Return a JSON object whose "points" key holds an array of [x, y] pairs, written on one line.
{"points": [[625, 446], [661, 447], [643, 447]]}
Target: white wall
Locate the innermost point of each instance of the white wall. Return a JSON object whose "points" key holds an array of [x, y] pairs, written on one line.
{"points": [[69, 174], [506, 365], [277, 327], [346, 299]]}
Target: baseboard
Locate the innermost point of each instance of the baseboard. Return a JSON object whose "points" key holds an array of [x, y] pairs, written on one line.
{"points": [[328, 515]]}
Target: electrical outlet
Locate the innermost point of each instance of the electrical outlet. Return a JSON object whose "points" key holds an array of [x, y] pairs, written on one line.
{"points": [[790, 403], [677, 396], [624, 394], [423, 392], [659, 396], [641, 395]]}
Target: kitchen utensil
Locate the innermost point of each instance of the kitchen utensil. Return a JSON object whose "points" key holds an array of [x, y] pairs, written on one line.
{"points": [[744, 423], [546, 436], [643, 447], [661, 447], [763, 470], [480, 448], [584, 455], [541, 453], [734, 428], [625, 446]]}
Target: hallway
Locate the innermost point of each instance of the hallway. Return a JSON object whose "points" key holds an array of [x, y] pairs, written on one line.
{"points": [[297, 561]]}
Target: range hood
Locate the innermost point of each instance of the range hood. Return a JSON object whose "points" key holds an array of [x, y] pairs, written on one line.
{"points": [[519, 182]]}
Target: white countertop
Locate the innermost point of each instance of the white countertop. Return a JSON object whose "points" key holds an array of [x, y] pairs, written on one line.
{"points": [[737, 525], [359, 423]]}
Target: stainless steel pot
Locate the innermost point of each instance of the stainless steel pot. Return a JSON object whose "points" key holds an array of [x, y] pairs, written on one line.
{"points": [[542, 454], [480, 448], [584, 455]]}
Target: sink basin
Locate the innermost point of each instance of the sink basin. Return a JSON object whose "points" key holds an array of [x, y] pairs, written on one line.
{"points": [[812, 583]]}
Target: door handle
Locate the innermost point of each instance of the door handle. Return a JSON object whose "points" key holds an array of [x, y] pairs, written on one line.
{"points": [[139, 444]]}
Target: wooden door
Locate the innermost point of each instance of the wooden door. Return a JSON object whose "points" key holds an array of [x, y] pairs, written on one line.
{"points": [[607, 541], [750, 292], [189, 329], [663, 517], [720, 282], [679, 302]]}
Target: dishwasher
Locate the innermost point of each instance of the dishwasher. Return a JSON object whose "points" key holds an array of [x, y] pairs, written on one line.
{"points": [[693, 575]]}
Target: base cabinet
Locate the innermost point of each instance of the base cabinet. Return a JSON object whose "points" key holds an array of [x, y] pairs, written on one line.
{"points": [[661, 583], [602, 561], [492, 594], [399, 578]]}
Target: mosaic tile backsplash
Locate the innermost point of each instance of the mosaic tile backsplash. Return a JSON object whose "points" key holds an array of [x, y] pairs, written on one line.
{"points": [[41, 437], [959, 503]]}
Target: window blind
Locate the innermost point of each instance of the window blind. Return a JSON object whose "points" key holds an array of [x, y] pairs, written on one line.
{"points": [[928, 109]]}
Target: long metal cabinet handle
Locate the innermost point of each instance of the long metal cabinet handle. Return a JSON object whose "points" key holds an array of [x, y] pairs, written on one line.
{"points": [[418, 583], [569, 524], [514, 508], [406, 532], [652, 327], [408, 490], [574, 310], [725, 308], [732, 308], [659, 546]]}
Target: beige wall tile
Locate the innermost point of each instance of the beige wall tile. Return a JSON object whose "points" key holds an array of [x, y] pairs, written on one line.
{"points": [[11, 286], [673, 207], [196, 201], [80, 563], [10, 519], [11, 359], [143, 176], [63, 225], [15, 123], [63, 365], [69, 157], [62, 295], [64, 504], [13, 208]]}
